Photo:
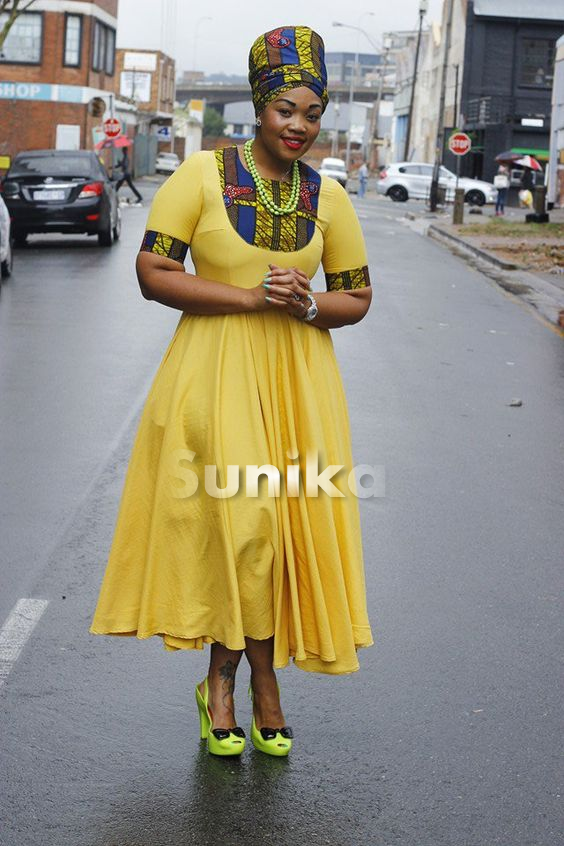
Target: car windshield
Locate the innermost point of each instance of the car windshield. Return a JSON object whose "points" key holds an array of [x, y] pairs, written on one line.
{"points": [[52, 166]]}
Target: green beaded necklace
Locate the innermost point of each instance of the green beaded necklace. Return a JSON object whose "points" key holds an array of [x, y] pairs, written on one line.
{"points": [[292, 203]]}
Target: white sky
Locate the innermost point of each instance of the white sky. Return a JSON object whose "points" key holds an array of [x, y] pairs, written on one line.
{"points": [[223, 43]]}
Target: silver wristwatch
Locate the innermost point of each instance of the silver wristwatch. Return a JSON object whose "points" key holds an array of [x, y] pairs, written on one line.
{"points": [[311, 313]]}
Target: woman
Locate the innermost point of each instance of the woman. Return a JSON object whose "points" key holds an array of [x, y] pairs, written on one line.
{"points": [[501, 182], [249, 379]]}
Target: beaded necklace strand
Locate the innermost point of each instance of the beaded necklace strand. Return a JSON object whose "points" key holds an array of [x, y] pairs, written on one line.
{"points": [[292, 203]]}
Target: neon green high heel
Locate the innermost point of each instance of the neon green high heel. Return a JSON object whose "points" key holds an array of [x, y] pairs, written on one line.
{"points": [[272, 741], [220, 741]]}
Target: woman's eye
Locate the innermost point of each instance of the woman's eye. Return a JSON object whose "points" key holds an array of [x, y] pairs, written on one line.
{"points": [[285, 112], [313, 118]]}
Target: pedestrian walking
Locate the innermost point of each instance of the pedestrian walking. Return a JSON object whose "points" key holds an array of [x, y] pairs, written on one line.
{"points": [[501, 182], [362, 179], [526, 191], [249, 380], [126, 177]]}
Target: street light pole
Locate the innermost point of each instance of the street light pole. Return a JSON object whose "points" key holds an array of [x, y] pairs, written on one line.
{"points": [[351, 87], [423, 6], [433, 199]]}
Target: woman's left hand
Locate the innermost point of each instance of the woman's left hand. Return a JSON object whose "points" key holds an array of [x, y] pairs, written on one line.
{"points": [[288, 289]]}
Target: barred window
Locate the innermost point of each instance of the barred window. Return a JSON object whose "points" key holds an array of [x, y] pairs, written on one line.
{"points": [[537, 62], [73, 40], [23, 44]]}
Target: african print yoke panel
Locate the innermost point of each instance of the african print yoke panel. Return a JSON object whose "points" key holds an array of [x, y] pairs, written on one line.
{"points": [[250, 217]]}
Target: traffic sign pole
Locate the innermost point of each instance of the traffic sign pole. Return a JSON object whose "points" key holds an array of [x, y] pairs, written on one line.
{"points": [[459, 145]]}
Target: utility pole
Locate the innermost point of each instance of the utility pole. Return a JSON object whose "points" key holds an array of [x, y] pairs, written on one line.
{"points": [[423, 6], [440, 127], [351, 102], [375, 118]]}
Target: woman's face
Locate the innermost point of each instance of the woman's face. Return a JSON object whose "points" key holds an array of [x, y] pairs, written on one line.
{"points": [[291, 123]]}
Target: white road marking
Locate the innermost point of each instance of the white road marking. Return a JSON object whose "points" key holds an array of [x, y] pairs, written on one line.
{"points": [[23, 618]]}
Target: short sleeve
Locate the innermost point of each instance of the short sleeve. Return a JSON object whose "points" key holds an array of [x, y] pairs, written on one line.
{"points": [[344, 252], [175, 211]]}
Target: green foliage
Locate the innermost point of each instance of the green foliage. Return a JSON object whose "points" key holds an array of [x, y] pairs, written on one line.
{"points": [[213, 122]]}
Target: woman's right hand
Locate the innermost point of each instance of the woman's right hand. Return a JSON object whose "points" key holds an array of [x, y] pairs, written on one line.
{"points": [[291, 281]]}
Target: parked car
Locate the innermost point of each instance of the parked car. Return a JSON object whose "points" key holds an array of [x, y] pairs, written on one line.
{"points": [[336, 169], [166, 162], [61, 191], [6, 256], [412, 180]]}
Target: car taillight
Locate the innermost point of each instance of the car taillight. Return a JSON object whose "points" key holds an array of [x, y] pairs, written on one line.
{"points": [[93, 189], [383, 174]]}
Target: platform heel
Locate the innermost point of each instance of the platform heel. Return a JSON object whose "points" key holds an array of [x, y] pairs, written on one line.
{"points": [[220, 741]]}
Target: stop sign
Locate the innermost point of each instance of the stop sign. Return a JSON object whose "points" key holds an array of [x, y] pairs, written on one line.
{"points": [[112, 127], [459, 143]]}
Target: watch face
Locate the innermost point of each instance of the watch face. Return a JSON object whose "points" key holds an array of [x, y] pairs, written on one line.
{"points": [[312, 312]]}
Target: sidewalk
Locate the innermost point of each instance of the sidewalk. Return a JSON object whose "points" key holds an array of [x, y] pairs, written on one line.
{"points": [[525, 259]]}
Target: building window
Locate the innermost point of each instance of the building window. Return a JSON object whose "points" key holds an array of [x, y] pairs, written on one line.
{"points": [[97, 46], [103, 48], [537, 62], [23, 44], [110, 63], [73, 40]]}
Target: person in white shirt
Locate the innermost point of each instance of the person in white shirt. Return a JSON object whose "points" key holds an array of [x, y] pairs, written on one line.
{"points": [[501, 182]]}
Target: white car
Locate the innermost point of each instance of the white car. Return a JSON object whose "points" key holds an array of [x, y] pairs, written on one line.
{"points": [[167, 163], [6, 255], [412, 181], [336, 169]]}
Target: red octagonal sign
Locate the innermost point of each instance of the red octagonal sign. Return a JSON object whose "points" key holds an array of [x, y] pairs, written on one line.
{"points": [[459, 143], [112, 127]]}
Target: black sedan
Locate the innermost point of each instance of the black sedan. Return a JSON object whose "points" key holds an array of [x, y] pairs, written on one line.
{"points": [[61, 191]]}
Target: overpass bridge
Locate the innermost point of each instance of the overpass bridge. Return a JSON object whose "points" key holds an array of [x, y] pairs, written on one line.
{"points": [[218, 96]]}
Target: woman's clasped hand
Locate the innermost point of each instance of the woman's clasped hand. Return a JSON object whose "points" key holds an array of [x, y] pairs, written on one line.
{"points": [[284, 288]]}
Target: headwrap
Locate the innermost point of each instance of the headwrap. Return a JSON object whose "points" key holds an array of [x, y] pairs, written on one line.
{"points": [[285, 58]]}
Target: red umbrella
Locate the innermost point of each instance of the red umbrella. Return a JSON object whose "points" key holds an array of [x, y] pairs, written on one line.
{"points": [[528, 161], [120, 141]]}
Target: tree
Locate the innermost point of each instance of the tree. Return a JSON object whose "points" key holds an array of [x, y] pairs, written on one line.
{"points": [[213, 122], [13, 8]]}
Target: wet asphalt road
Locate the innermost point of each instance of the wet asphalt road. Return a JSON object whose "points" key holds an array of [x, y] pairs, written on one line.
{"points": [[450, 735]]}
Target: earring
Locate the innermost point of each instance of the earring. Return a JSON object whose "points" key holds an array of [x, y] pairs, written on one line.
{"points": [[259, 122]]}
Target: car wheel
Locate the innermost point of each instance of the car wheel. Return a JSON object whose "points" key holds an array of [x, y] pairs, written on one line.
{"points": [[105, 235], [398, 193], [20, 239], [116, 232], [475, 198], [7, 265]]}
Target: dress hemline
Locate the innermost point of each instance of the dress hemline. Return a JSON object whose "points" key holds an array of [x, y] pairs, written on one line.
{"points": [[323, 665]]}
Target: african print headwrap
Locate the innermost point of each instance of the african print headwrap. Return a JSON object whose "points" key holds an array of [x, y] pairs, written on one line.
{"points": [[285, 58]]}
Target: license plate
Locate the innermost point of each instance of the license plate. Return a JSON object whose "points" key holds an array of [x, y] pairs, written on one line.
{"points": [[49, 195]]}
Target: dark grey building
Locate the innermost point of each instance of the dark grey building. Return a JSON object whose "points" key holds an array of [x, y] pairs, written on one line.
{"points": [[507, 83]]}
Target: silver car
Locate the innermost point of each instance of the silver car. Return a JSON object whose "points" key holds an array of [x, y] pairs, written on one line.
{"points": [[6, 254], [412, 180], [167, 163], [336, 169]]}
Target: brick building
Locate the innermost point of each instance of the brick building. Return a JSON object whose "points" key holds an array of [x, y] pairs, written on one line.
{"points": [[147, 78], [58, 56]]}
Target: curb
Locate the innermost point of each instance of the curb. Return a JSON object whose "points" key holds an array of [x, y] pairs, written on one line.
{"points": [[439, 234]]}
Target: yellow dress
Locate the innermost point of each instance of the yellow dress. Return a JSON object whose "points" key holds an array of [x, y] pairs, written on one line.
{"points": [[260, 388]]}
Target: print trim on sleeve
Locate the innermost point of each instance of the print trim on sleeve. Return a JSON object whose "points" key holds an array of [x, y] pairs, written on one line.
{"points": [[164, 245], [348, 280]]}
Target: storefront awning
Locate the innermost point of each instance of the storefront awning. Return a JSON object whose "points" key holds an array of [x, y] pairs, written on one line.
{"points": [[541, 155]]}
